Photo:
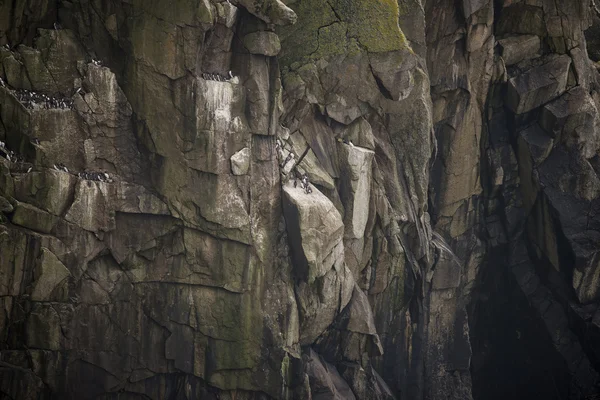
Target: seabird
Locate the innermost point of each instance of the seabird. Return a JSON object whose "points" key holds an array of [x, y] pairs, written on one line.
{"points": [[35, 140], [229, 73], [57, 26], [288, 158], [29, 169]]}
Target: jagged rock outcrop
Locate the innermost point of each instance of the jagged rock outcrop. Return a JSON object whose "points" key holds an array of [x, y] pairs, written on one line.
{"points": [[308, 199]]}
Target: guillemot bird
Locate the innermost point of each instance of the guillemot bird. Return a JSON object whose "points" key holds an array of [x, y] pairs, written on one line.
{"points": [[61, 167]]}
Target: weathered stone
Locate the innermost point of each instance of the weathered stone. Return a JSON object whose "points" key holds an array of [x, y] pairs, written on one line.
{"points": [[265, 43], [325, 381], [573, 119], [49, 190], [240, 162], [33, 218], [48, 275], [5, 206], [315, 228], [321, 301], [355, 188], [518, 48], [91, 208], [538, 142], [522, 18], [270, 11], [538, 85], [359, 133], [394, 71]]}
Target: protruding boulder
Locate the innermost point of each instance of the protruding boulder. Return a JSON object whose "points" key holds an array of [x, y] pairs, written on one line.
{"points": [[240, 162], [518, 48], [262, 42], [355, 190], [538, 85], [315, 230]]}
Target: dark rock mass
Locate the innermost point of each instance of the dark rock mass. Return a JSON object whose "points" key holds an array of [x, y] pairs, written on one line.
{"points": [[299, 199]]}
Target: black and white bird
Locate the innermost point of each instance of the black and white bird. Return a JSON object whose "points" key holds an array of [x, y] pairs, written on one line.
{"points": [[61, 167], [287, 159]]}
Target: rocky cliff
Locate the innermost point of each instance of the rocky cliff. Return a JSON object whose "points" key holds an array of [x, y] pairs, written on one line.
{"points": [[299, 199]]}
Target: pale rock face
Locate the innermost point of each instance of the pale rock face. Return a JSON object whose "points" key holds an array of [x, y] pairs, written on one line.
{"points": [[316, 229], [240, 162], [355, 188]]}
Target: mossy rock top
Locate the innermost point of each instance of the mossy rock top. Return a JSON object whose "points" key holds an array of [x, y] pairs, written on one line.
{"points": [[337, 27]]}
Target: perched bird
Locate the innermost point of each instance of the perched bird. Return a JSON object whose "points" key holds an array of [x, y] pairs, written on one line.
{"points": [[287, 159], [57, 26], [35, 141]]}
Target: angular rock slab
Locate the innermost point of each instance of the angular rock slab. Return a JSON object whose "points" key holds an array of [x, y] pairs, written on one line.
{"points": [[49, 274], [270, 11], [355, 165], [325, 381], [33, 218], [538, 85], [573, 118], [240, 162], [264, 43], [321, 302], [518, 48], [315, 231]]}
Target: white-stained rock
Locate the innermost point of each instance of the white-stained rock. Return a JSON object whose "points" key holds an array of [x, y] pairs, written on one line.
{"points": [[240, 162]]}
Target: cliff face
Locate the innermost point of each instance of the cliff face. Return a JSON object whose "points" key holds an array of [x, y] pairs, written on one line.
{"points": [[158, 238]]}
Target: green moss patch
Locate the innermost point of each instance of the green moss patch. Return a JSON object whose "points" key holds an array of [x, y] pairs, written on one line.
{"points": [[334, 27]]}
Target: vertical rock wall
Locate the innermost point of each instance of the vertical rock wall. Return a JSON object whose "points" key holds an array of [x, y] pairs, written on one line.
{"points": [[322, 199]]}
